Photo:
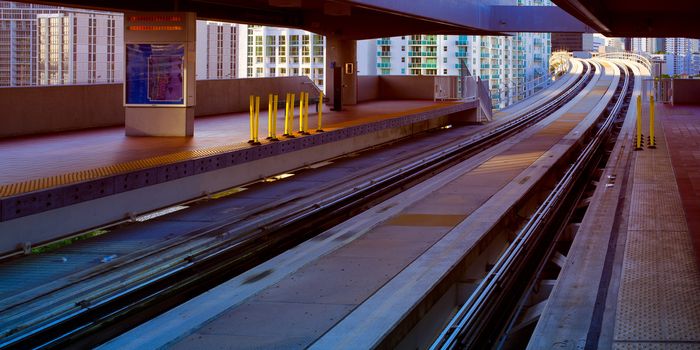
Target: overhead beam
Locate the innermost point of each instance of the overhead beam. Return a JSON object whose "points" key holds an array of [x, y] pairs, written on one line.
{"points": [[535, 19]]}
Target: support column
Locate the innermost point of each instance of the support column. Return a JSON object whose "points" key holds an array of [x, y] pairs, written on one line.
{"points": [[341, 71], [159, 84]]}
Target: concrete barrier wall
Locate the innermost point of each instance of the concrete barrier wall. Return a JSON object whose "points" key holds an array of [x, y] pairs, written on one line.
{"points": [[232, 95], [367, 88], [406, 87], [396, 87], [34, 110], [686, 91]]}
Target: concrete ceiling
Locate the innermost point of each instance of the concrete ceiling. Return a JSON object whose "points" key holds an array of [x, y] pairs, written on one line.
{"points": [[343, 18], [638, 18], [361, 19]]}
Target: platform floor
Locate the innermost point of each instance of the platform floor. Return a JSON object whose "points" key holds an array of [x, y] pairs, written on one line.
{"points": [[632, 278], [104, 151], [658, 305]]}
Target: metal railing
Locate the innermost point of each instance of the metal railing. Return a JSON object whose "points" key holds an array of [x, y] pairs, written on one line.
{"points": [[660, 88], [639, 57]]}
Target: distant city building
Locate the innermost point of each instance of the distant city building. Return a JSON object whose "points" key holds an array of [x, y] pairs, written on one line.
{"points": [[44, 45], [649, 45], [280, 52], [680, 56], [77, 47], [567, 42], [217, 50], [578, 43], [505, 62]]}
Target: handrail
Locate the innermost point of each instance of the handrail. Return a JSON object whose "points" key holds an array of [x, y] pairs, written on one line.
{"points": [[639, 57]]}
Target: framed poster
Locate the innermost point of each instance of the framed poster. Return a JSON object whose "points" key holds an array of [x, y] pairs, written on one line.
{"points": [[155, 75]]}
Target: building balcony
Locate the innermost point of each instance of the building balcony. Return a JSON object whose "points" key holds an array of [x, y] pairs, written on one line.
{"points": [[383, 42], [422, 65], [461, 54], [384, 53], [462, 42], [383, 65], [422, 54], [485, 55], [422, 42]]}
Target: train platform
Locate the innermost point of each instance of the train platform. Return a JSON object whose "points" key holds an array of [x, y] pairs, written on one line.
{"points": [[354, 284], [50, 160], [632, 278], [85, 179]]}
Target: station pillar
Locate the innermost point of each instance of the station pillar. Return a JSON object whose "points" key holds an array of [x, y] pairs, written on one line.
{"points": [[159, 77], [341, 71]]}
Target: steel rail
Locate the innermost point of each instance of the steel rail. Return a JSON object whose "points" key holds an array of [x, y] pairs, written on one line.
{"points": [[96, 314], [464, 328]]}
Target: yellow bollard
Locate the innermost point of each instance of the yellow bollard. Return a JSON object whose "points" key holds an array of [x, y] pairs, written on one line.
{"points": [[639, 124], [252, 116], [256, 121], [270, 130], [319, 126], [275, 102], [286, 115], [652, 137], [306, 114], [290, 126], [302, 96]]}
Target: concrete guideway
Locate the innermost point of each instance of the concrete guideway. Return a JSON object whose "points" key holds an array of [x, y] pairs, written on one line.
{"points": [[152, 230], [177, 317], [631, 278]]}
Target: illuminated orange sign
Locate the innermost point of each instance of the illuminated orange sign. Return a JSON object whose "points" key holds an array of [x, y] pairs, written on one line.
{"points": [[154, 28]]}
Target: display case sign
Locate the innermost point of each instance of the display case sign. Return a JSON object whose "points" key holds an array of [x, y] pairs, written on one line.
{"points": [[155, 74]]}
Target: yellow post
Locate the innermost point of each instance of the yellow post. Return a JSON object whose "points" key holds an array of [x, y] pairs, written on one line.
{"points": [[286, 114], [639, 123], [252, 116], [306, 114], [291, 115], [256, 121], [301, 112], [319, 127], [270, 130], [274, 117], [652, 137]]}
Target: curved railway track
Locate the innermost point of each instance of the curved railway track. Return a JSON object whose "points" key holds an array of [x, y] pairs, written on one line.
{"points": [[482, 320], [109, 309]]}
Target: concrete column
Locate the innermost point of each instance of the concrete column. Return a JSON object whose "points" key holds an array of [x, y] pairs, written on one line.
{"points": [[342, 54], [160, 75]]}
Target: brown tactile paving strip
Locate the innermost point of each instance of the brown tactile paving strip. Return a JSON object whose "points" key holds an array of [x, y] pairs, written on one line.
{"points": [[659, 298], [338, 282]]}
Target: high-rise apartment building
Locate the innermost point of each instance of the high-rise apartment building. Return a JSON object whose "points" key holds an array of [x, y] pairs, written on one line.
{"points": [[508, 63], [505, 62], [648, 45], [275, 52], [42, 45], [679, 57], [217, 50], [76, 47]]}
